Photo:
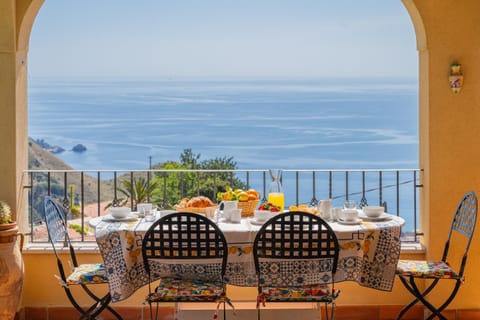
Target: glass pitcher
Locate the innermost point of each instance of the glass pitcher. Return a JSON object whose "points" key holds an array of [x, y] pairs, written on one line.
{"points": [[275, 194]]}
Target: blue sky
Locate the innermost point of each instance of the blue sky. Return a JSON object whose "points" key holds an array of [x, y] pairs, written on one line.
{"points": [[266, 39]]}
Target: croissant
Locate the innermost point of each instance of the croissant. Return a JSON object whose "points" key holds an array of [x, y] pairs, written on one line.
{"points": [[183, 203], [200, 202]]}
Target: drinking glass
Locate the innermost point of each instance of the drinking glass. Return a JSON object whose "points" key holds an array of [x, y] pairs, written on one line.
{"points": [[149, 214], [350, 204]]}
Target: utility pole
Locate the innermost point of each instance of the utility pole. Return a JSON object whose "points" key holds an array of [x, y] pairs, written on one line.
{"points": [[150, 162]]}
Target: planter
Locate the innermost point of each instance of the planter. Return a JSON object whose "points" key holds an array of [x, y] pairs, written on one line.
{"points": [[8, 226], [11, 271], [455, 78]]}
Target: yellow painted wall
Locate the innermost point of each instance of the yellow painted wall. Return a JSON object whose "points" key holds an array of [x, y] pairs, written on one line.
{"points": [[449, 124], [16, 19], [447, 31], [8, 187]]}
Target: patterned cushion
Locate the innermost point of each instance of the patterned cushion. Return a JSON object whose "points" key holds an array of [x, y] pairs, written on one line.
{"points": [[88, 274], [425, 269], [317, 293], [176, 289]]}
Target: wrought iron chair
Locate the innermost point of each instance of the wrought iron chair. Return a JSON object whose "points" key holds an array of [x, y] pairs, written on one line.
{"points": [[82, 275], [189, 254], [296, 256], [461, 231]]}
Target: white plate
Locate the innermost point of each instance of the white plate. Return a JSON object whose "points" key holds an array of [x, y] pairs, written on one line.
{"points": [[349, 222], [129, 217], [382, 217], [256, 222]]}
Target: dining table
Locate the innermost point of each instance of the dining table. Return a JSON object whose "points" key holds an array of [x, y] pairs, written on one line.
{"points": [[368, 255]]}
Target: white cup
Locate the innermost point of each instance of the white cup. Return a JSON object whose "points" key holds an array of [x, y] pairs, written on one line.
{"points": [[336, 213], [373, 211], [324, 209], [228, 205], [235, 215], [227, 214], [349, 214]]}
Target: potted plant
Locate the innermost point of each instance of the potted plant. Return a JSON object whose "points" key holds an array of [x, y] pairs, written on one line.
{"points": [[11, 263], [6, 221]]}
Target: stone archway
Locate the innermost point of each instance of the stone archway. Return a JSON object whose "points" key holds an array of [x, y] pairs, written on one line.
{"points": [[449, 125], [26, 12], [421, 39], [16, 20]]}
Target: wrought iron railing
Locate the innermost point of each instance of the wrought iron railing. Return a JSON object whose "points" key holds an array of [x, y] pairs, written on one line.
{"points": [[87, 193]]}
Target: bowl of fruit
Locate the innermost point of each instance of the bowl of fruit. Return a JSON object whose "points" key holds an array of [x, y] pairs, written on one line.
{"points": [[265, 211]]}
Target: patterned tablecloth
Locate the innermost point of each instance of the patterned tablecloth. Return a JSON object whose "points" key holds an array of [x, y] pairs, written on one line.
{"points": [[369, 252]]}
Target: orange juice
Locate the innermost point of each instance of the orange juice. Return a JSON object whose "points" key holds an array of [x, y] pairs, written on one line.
{"points": [[278, 199]]}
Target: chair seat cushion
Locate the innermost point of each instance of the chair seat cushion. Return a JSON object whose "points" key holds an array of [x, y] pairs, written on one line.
{"points": [[88, 274], [195, 290], [426, 269], [317, 293]]}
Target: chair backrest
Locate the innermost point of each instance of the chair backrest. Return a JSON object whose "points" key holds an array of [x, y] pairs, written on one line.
{"points": [[295, 242], [190, 239], [463, 224], [55, 220]]}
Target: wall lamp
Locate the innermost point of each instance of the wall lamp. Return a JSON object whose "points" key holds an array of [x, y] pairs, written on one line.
{"points": [[456, 77]]}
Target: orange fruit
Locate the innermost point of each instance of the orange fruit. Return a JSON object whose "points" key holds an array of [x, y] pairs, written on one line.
{"points": [[253, 192], [226, 196]]}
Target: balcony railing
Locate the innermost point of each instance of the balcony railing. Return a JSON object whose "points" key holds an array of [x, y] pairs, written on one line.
{"points": [[87, 193]]}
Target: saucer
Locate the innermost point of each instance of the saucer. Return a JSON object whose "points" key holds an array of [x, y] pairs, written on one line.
{"points": [[383, 217], [256, 222], [349, 222], [138, 214], [129, 217]]}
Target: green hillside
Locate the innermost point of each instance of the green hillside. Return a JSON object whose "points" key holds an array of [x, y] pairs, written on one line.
{"points": [[40, 159]]}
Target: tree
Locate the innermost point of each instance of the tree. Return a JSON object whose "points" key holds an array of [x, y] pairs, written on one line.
{"points": [[180, 185]]}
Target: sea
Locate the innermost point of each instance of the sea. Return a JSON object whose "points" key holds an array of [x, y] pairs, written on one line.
{"points": [[330, 123]]}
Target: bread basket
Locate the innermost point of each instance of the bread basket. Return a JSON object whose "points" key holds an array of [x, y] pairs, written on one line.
{"points": [[208, 211]]}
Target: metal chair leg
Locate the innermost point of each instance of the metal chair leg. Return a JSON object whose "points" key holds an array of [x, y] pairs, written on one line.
{"points": [[95, 309], [225, 310], [447, 302], [104, 300], [420, 297], [407, 285], [100, 305]]}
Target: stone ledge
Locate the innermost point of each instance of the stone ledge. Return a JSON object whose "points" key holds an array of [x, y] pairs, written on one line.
{"points": [[43, 248], [91, 247]]}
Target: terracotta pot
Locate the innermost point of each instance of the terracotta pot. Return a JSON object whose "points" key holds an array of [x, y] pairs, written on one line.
{"points": [[11, 272], [8, 226]]}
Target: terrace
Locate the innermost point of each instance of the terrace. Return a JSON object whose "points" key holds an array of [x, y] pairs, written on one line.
{"points": [[446, 32]]}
